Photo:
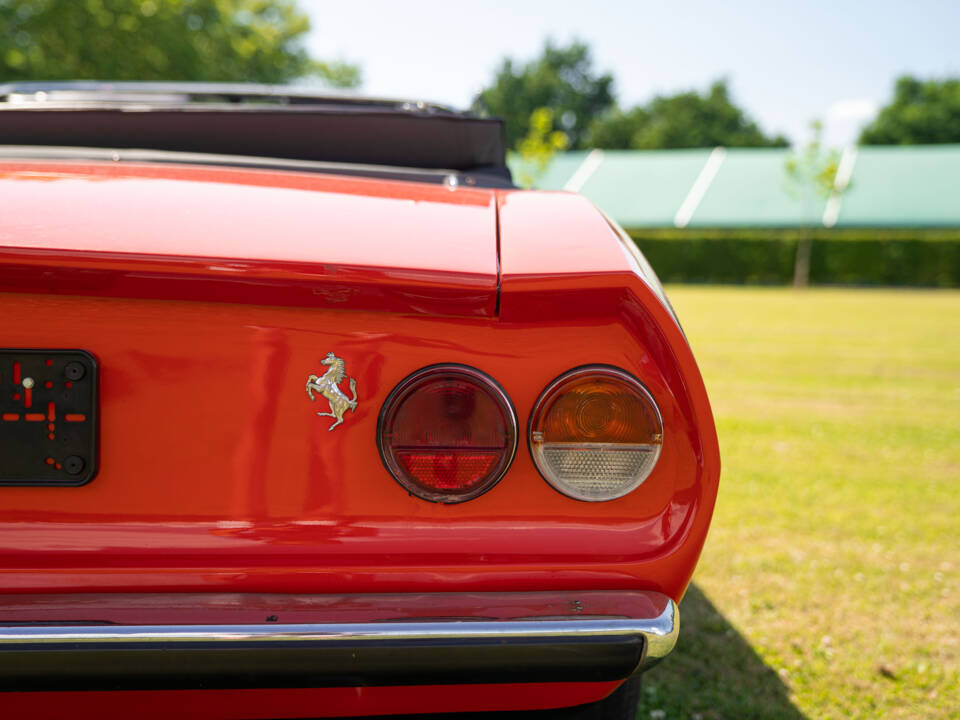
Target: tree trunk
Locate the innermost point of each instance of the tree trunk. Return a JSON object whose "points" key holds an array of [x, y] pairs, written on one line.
{"points": [[801, 267]]}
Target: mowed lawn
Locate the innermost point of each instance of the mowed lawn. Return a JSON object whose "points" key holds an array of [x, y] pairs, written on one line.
{"points": [[830, 584]]}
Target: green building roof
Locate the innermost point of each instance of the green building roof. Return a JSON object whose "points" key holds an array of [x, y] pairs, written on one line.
{"points": [[885, 186]]}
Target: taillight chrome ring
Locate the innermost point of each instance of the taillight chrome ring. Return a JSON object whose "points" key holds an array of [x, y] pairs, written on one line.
{"points": [[600, 444], [447, 433]]}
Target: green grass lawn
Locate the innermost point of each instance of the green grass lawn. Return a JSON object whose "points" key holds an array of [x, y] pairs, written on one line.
{"points": [[830, 583]]}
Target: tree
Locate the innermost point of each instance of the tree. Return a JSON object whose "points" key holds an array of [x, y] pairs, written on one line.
{"points": [[562, 79], [210, 40], [812, 174], [921, 112], [684, 120], [538, 147], [617, 128]]}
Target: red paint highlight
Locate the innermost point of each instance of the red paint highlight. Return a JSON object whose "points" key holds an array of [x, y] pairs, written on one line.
{"points": [[34, 417], [51, 413], [16, 373], [10, 417], [74, 417], [28, 398]]}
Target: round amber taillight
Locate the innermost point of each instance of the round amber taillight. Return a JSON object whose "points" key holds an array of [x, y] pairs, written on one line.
{"points": [[447, 433], [595, 433]]}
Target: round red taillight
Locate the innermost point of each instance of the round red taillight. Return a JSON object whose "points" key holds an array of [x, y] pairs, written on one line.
{"points": [[596, 433], [447, 433]]}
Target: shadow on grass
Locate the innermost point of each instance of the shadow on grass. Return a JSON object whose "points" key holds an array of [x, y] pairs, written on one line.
{"points": [[713, 673]]}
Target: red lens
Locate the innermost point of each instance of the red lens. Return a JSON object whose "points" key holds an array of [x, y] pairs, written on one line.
{"points": [[447, 433]]}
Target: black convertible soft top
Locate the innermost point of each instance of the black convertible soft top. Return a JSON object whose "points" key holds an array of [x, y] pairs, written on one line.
{"points": [[257, 121]]}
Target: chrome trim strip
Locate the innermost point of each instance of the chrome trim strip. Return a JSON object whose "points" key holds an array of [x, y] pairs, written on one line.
{"points": [[292, 655], [661, 637], [659, 628]]}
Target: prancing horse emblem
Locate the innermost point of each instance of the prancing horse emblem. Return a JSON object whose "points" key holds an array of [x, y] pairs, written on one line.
{"points": [[329, 387]]}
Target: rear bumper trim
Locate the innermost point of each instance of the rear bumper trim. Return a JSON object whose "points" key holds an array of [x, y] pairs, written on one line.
{"points": [[413, 651]]}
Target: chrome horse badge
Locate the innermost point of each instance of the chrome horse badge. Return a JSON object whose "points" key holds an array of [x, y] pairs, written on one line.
{"points": [[329, 387]]}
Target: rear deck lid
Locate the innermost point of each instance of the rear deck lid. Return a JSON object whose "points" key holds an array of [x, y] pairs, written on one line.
{"points": [[252, 236]]}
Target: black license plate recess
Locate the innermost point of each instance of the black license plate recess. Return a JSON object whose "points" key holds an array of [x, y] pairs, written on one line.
{"points": [[48, 417]]}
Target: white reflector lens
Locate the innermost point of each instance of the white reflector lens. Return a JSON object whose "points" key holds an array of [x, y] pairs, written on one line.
{"points": [[596, 433]]}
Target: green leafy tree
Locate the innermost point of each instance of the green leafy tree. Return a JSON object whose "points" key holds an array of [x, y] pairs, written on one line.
{"points": [[921, 112], [207, 40], [538, 147], [562, 79], [617, 128], [684, 120]]}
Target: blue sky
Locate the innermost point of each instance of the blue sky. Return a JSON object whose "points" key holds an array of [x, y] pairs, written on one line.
{"points": [[787, 62]]}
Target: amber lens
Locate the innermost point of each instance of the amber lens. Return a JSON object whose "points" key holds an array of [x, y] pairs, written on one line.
{"points": [[599, 409], [595, 433]]}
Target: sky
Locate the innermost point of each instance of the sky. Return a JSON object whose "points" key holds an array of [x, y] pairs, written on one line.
{"points": [[787, 62]]}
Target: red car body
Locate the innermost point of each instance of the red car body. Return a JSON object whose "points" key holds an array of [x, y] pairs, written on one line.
{"points": [[206, 295]]}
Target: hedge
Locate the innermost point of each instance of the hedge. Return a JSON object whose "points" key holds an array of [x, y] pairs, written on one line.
{"points": [[918, 258]]}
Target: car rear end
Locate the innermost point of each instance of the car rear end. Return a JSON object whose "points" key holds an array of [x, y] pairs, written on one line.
{"points": [[338, 446]]}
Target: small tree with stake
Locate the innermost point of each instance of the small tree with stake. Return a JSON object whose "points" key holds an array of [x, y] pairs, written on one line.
{"points": [[537, 148], [811, 174]]}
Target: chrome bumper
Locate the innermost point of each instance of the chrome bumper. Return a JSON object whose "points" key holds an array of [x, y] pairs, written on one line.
{"points": [[356, 640]]}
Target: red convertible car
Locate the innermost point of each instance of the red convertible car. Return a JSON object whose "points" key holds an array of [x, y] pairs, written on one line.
{"points": [[306, 411]]}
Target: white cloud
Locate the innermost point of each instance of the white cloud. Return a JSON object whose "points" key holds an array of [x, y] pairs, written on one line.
{"points": [[853, 109], [845, 119]]}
